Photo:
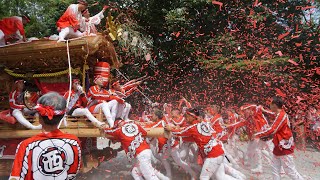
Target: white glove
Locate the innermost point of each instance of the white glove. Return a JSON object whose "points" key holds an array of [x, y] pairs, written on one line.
{"points": [[80, 89]]}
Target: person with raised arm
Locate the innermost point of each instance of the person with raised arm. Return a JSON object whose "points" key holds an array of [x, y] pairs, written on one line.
{"points": [[88, 25], [283, 142], [117, 90], [78, 103], [255, 121]]}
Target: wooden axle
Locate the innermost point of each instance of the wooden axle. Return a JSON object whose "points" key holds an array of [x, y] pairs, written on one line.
{"points": [[78, 126]]}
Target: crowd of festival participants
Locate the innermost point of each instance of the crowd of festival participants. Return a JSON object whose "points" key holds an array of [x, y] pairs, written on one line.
{"points": [[202, 141]]}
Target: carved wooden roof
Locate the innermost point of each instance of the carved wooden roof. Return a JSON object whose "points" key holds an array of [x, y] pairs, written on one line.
{"points": [[50, 56]]}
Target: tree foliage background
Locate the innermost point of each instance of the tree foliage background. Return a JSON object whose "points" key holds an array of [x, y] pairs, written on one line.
{"points": [[199, 29], [190, 37]]}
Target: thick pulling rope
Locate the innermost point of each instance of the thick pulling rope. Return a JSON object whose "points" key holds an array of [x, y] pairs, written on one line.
{"points": [[70, 75], [137, 88], [70, 86], [43, 75]]}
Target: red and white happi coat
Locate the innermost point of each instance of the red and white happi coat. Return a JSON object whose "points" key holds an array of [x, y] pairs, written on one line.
{"points": [[132, 138], [217, 123], [257, 122], [15, 100], [233, 119], [71, 18], [219, 127], [179, 121], [47, 156], [125, 90], [204, 136], [97, 95], [12, 25], [282, 135], [89, 25]]}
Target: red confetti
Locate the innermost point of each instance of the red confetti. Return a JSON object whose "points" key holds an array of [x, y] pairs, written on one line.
{"points": [[299, 99], [301, 57], [279, 53], [241, 56], [283, 35], [298, 44], [218, 3], [178, 34], [267, 84], [280, 93], [293, 62], [307, 7]]}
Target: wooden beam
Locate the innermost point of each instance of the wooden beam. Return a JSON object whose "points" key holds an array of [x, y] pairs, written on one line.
{"points": [[41, 46], [83, 132]]}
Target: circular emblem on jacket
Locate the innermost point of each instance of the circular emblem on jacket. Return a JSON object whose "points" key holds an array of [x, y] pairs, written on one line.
{"points": [[204, 129], [130, 129]]}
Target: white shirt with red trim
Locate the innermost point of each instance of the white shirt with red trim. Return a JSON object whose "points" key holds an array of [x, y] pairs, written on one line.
{"points": [[97, 95], [89, 25]]}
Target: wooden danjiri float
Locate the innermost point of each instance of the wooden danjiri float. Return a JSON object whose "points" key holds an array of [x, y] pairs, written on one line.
{"points": [[45, 63]]}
